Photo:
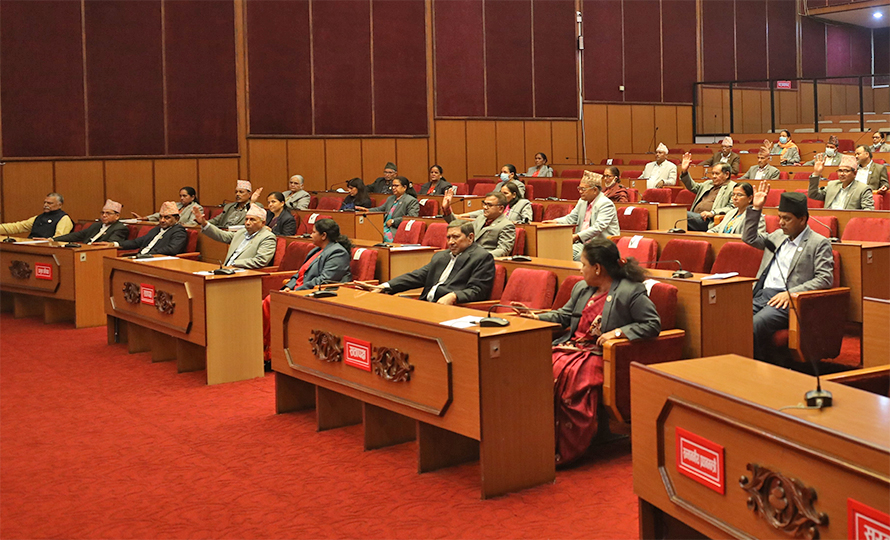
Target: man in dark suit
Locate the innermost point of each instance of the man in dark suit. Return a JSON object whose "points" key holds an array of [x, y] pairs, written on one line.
{"points": [[462, 273], [168, 238], [107, 229], [724, 155]]}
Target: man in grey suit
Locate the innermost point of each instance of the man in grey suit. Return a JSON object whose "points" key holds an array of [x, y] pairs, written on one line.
{"points": [[794, 254], [724, 155], [874, 175], [763, 170], [712, 197], [492, 230], [842, 194], [250, 247], [594, 214]]}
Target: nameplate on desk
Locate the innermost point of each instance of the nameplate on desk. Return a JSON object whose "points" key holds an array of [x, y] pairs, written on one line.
{"points": [[357, 353], [147, 294], [700, 459], [866, 523], [43, 271]]}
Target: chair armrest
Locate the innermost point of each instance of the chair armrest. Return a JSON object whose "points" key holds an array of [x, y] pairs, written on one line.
{"points": [[275, 280], [192, 255], [816, 330], [482, 305], [270, 268], [127, 252]]}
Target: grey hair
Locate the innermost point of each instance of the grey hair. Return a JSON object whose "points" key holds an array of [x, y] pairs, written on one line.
{"points": [[58, 196], [298, 177]]}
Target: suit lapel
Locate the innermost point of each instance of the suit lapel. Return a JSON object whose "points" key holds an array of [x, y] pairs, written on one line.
{"points": [[610, 300], [798, 251]]}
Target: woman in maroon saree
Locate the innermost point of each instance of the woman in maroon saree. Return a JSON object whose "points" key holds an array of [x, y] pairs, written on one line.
{"points": [[610, 303]]}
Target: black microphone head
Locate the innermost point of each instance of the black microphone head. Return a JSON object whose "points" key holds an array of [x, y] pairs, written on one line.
{"points": [[768, 244]]}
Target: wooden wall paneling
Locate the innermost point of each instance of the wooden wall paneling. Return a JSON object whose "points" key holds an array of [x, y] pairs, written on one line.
{"points": [[131, 183], [806, 102], [306, 157], [510, 137], [343, 160], [711, 109], [82, 184], [852, 98], [216, 180], [481, 149], [596, 125], [882, 100], [375, 154], [838, 99], [765, 112], [566, 147], [868, 97], [267, 163], [666, 122], [170, 176], [787, 109], [684, 124], [451, 148], [620, 121], [25, 184], [413, 160], [642, 118], [538, 138], [750, 113], [725, 124]]}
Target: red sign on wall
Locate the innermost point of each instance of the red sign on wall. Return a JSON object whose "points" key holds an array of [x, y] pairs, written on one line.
{"points": [[700, 459], [783, 85], [866, 523], [147, 293], [357, 353], [43, 271]]}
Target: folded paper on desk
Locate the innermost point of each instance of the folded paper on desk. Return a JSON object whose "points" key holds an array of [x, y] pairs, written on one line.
{"points": [[155, 259], [725, 275], [210, 272], [463, 322], [406, 247], [129, 220], [20, 242]]}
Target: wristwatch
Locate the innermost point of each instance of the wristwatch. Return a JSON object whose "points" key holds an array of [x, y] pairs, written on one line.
{"points": [[617, 332]]}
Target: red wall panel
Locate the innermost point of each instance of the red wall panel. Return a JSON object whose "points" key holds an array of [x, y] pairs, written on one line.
{"points": [[678, 42], [812, 36], [125, 93], [202, 114], [41, 67], [860, 51], [882, 50], [555, 61], [782, 15], [642, 48], [838, 46], [341, 31], [718, 47], [604, 51], [751, 39], [400, 67], [508, 58], [279, 67], [459, 58]]}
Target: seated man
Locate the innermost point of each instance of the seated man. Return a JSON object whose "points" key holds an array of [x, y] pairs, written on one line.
{"points": [[107, 229], [661, 172], [594, 214], [250, 247], [712, 197], [832, 156], [794, 254], [168, 238], [462, 273], [763, 170], [52, 222], [383, 184], [493, 230], [872, 174], [234, 213], [724, 155], [842, 194]]}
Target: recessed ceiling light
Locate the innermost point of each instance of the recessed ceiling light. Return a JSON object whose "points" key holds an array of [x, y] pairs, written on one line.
{"points": [[877, 15]]}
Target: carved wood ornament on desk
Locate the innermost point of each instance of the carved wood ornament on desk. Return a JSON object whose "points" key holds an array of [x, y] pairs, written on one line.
{"points": [[20, 269], [164, 302], [391, 364], [783, 502], [326, 346], [131, 292]]}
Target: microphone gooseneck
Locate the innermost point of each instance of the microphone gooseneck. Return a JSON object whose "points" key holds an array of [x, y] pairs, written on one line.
{"points": [[678, 230], [222, 271], [383, 243], [831, 238], [489, 321]]}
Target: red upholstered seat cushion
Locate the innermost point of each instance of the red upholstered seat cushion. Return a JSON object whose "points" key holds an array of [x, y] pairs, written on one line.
{"points": [[646, 250], [429, 207], [569, 189], [482, 189], [541, 187], [280, 249], [435, 235], [553, 211], [664, 296], [772, 222], [191, 243], [636, 220], [783, 175], [867, 230], [633, 194], [660, 195], [738, 257], [534, 288], [564, 293], [572, 173], [313, 202], [410, 232], [675, 191], [329, 203], [500, 279], [363, 264], [685, 197], [461, 188], [800, 176], [694, 255], [811, 203], [825, 225], [295, 255], [519, 243]]}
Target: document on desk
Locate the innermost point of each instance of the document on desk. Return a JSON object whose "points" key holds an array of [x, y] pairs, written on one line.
{"points": [[463, 322], [725, 275], [210, 272], [21, 242], [407, 247], [155, 259]]}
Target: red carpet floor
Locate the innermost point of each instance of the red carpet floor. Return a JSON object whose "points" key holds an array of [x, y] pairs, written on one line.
{"points": [[96, 443]]}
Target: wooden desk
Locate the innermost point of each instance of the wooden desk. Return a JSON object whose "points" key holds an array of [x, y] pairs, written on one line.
{"points": [[212, 321], [708, 310], [354, 225], [446, 387], [875, 336], [842, 452], [59, 283]]}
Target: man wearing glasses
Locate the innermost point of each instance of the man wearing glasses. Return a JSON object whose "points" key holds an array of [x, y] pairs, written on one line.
{"points": [[712, 197], [493, 231], [594, 215], [844, 193]]}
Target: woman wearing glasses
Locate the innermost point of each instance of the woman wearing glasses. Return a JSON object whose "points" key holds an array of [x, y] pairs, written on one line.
{"points": [[612, 187]]}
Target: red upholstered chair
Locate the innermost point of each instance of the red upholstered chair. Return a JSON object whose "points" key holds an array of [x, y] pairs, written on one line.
{"points": [[537, 211], [815, 336], [783, 175], [482, 188], [569, 189], [461, 188], [530, 192], [846, 145], [882, 201], [700, 151], [500, 280], [836, 282], [737, 257], [132, 231], [833, 175], [363, 265], [313, 202], [572, 173], [410, 232], [553, 211], [329, 203], [675, 191], [543, 187], [280, 248], [694, 255], [811, 203], [867, 230], [636, 220], [435, 235], [880, 161], [212, 212], [294, 257], [534, 288], [191, 245], [564, 292], [429, 207], [144, 229], [78, 226], [686, 198], [660, 195], [828, 227], [772, 199], [308, 222], [519, 243], [646, 249], [614, 161], [800, 176], [633, 194], [633, 174], [772, 222]]}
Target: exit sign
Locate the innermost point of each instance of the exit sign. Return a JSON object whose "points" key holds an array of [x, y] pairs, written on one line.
{"points": [[783, 85]]}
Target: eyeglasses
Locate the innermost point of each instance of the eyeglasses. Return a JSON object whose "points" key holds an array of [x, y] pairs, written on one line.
{"points": [[844, 170], [609, 176], [488, 204], [582, 189]]}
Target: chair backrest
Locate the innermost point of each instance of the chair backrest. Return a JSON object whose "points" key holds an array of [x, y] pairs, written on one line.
{"points": [[845, 145], [483, 188], [410, 232], [530, 192], [473, 182], [132, 231], [880, 200], [569, 189], [564, 292], [685, 197], [213, 211], [644, 250], [633, 174], [534, 288], [800, 176], [280, 248], [572, 173], [519, 243], [537, 211], [294, 256], [633, 218], [500, 280], [737, 257], [867, 230], [811, 203], [313, 202], [435, 235], [143, 230], [638, 162], [191, 243], [783, 175], [772, 222], [78, 226], [660, 195], [329, 203], [614, 161], [772, 199], [363, 264], [702, 151], [675, 191], [694, 255], [827, 226], [308, 222], [461, 188], [558, 210], [664, 296], [633, 194], [429, 207], [836, 282]]}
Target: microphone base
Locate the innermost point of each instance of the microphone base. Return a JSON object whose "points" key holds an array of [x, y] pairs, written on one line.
{"points": [[9, 240], [223, 272], [818, 398], [324, 293], [72, 245], [682, 274], [382, 245], [676, 230], [493, 322]]}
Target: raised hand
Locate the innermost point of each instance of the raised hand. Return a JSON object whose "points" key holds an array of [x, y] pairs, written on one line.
{"points": [[819, 164], [200, 218], [447, 198], [687, 161], [137, 216], [760, 195], [256, 195]]}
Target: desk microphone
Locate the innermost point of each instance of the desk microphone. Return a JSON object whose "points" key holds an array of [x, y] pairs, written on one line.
{"points": [[8, 239], [143, 256], [222, 271], [855, 144], [832, 239], [818, 398], [493, 322], [679, 273], [321, 292], [382, 236], [677, 230]]}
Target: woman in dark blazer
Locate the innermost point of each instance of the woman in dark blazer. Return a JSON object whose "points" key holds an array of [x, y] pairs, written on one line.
{"points": [[397, 206], [358, 195], [437, 184], [278, 218], [610, 303]]}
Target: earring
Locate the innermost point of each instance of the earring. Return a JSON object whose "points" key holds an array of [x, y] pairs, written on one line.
{"points": [[597, 271]]}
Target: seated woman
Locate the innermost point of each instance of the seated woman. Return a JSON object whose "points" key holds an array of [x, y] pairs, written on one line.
{"points": [[398, 205], [541, 168], [278, 218], [358, 195], [785, 148], [508, 174], [328, 262], [612, 187], [295, 198], [518, 210], [188, 206], [437, 184], [742, 196], [610, 303]]}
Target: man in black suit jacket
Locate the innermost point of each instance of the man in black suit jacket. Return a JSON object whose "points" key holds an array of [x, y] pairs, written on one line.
{"points": [[462, 273], [168, 238], [107, 229]]}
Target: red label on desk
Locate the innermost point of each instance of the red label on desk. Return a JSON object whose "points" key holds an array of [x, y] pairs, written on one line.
{"points": [[357, 353], [147, 294], [43, 271], [866, 523], [700, 459]]}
